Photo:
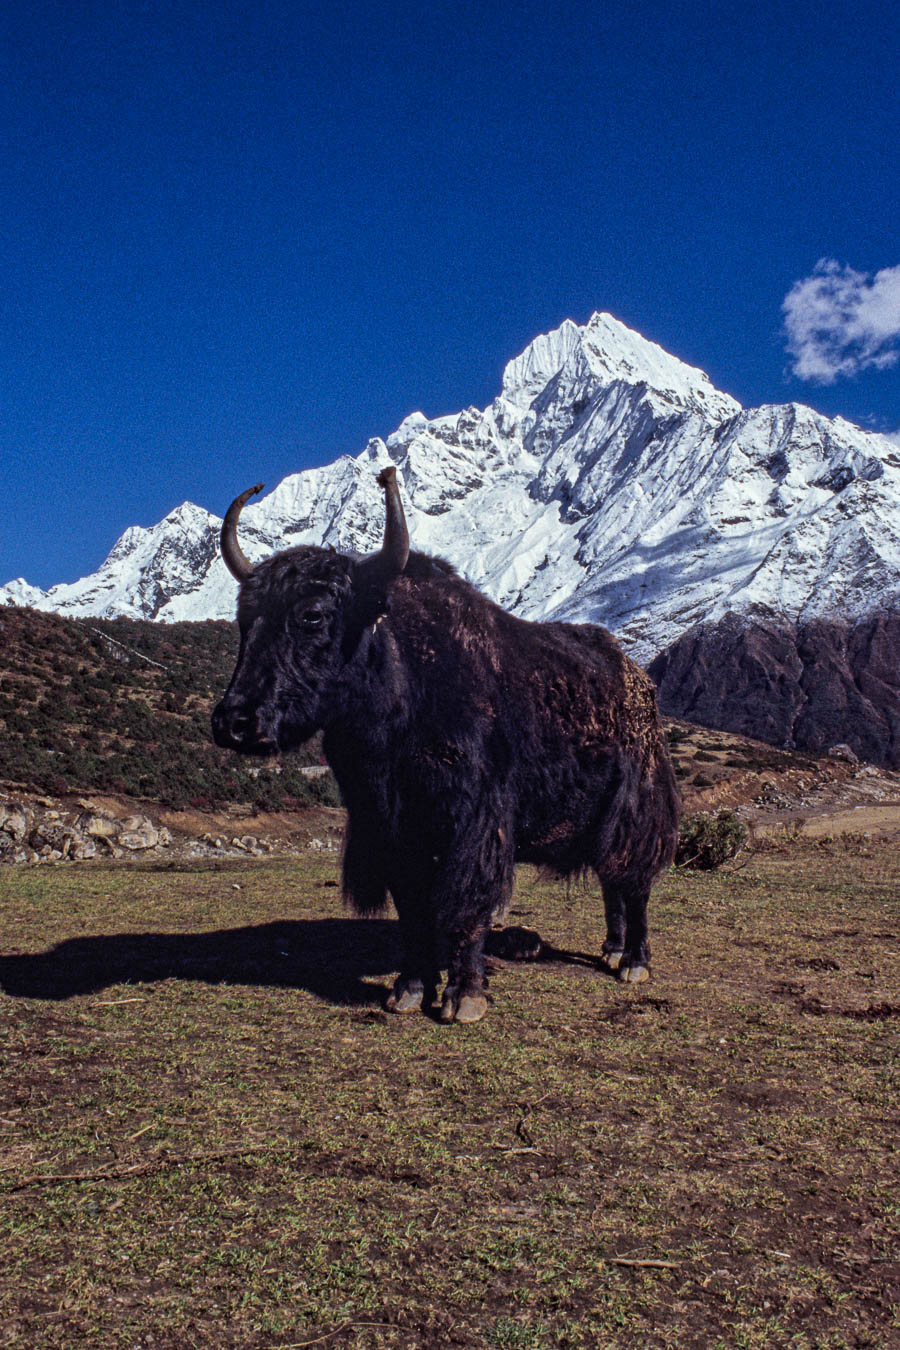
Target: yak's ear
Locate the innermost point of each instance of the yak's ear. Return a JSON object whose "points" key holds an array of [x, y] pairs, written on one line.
{"points": [[371, 595]]}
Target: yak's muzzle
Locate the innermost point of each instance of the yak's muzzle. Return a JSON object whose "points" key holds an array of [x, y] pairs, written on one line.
{"points": [[237, 727]]}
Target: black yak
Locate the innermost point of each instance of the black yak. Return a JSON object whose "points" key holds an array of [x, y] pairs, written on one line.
{"points": [[463, 740]]}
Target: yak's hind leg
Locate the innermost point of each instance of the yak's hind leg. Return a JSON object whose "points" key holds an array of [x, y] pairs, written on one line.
{"points": [[465, 993], [626, 949]]}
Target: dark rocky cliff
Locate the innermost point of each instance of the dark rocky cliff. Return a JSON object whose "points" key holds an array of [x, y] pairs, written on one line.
{"points": [[802, 686]]}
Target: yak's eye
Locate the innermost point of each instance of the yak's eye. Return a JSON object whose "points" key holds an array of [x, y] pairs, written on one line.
{"points": [[312, 619]]}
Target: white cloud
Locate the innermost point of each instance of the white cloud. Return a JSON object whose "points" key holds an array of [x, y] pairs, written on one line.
{"points": [[839, 321]]}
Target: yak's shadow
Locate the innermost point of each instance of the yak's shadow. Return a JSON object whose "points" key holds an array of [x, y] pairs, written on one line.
{"points": [[336, 959], [328, 957]]}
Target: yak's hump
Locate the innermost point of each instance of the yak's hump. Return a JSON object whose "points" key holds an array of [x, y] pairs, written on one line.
{"points": [[422, 567]]}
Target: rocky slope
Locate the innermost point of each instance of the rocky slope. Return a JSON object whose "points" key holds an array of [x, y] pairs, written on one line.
{"points": [[808, 685]]}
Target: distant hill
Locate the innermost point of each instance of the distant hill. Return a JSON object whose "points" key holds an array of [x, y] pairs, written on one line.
{"points": [[123, 706]]}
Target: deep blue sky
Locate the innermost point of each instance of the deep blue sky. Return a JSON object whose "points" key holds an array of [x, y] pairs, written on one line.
{"points": [[240, 238]]}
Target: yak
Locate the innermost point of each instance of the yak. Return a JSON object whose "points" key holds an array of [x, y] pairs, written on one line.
{"points": [[463, 740]]}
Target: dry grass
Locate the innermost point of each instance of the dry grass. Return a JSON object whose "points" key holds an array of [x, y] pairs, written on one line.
{"points": [[212, 1136]]}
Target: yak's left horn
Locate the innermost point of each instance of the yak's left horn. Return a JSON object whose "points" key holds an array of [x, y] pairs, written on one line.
{"points": [[238, 565], [395, 549]]}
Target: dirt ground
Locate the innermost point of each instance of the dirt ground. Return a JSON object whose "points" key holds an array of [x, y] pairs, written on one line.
{"points": [[212, 1135]]}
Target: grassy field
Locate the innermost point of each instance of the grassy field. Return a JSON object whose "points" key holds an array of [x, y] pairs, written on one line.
{"points": [[211, 1135]]}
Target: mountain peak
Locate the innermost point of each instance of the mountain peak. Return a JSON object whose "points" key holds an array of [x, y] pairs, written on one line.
{"points": [[617, 352], [612, 353]]}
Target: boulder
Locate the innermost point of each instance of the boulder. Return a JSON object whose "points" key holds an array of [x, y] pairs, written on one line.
{"points": [[137, 832], [13, 821], [97, 826], [133, 840]]}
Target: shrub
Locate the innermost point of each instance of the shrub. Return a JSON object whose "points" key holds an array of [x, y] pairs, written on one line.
{"points": [[676, 735], [707, 841], [325, 790]]}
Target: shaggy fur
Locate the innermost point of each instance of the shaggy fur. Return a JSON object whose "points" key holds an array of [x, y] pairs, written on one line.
{"points": [[463, 740]]}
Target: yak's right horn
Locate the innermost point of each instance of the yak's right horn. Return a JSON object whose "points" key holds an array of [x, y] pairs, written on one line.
{"points": [[237, 563], [395, 549]]}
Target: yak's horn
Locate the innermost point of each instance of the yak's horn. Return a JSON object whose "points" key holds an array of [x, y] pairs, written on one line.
{"points": [[395, 549], [238, 565]]}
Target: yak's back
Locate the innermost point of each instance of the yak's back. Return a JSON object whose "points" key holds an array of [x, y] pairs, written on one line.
{"points": [[571, 678], [584, 681]]}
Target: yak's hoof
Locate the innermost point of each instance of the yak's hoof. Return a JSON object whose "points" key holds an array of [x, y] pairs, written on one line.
{"points": [[514, 943], [472, 1007], [405, 997], [612, 959], [457, 1007], [634, 974]]}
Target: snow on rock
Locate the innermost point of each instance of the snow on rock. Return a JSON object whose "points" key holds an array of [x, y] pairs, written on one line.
{"points": [[608, 481], [19, 592]]}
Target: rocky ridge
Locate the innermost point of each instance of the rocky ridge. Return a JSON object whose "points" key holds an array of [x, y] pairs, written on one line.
{"points": [[807, 685]]}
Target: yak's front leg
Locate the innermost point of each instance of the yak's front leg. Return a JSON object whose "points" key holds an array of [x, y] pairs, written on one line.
{"points": [[416, 985], [474, 885]]}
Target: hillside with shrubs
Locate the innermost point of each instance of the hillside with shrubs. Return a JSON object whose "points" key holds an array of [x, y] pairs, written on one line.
{"points": [[123, 706]]}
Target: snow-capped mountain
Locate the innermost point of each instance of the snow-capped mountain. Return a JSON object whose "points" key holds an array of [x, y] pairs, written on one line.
{"points": [[608, 481]]}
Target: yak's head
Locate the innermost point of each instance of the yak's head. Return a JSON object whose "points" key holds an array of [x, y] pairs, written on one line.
{"points": [[301, 614]]}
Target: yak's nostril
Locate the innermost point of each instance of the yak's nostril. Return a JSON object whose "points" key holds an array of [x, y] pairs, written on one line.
{"points": [[241, 729], [231, 729]]}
